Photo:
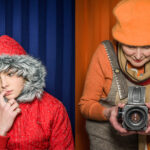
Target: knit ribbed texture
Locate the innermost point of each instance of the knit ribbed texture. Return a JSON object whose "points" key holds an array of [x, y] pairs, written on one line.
{"points": [[9, 46], [41, 125]]}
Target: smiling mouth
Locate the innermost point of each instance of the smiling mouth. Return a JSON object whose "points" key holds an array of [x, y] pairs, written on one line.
{"points": [[137, 61]]}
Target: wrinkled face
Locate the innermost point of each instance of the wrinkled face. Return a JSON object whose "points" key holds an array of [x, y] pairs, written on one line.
{"points": [[137, 55], [12, 84]]}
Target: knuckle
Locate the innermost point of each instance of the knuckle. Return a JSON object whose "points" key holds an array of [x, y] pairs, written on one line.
{"points": [[17, 105], [18, 110]]}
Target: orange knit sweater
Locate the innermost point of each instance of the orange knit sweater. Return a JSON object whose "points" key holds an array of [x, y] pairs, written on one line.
{"points": [[97, 85]]}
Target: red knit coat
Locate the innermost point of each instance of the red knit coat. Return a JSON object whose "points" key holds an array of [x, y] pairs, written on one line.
{"points": [[42, 125]]}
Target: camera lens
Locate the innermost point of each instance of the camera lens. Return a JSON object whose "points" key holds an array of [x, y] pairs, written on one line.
{"points": [[135, 117]]}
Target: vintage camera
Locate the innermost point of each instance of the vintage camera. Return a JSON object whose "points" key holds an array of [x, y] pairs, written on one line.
{"points": [[134, 115]]}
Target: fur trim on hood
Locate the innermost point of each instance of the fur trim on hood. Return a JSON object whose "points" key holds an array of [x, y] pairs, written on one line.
{"points": [[30, 69], [13, 57]]}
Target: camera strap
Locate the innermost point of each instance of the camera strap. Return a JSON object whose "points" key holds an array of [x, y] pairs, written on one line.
{"points": [[120, 79]]}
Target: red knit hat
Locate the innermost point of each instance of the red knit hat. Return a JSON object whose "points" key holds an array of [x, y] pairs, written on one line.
{"points": [[13, 57], [133, 22], [9, 46]]}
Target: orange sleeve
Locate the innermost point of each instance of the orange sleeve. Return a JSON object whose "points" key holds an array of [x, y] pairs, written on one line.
{"points": [[95, 86]]}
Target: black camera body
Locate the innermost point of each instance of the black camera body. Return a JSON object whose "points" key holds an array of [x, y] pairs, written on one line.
{"points": [[134, 115]]}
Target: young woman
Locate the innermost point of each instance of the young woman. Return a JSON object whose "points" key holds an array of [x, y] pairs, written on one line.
{"points": [[111, 71], [30, 118]]}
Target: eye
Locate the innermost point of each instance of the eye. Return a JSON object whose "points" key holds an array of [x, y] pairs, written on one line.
{"points": [[10, 74], [131, 47], [146, 47]]}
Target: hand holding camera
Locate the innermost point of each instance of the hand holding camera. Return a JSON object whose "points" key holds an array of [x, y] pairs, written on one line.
{"points": [[112, 114], [134, 115]]}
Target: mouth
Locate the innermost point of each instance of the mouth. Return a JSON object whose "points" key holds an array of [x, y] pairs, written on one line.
{"points": [[8, 93], [138, 61]]}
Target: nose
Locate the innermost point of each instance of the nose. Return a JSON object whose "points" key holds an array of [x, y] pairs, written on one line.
{"points": [[138, 53], [4, 83]]}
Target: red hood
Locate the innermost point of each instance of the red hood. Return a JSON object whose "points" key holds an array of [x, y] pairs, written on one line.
{"points": [[10, 46]]}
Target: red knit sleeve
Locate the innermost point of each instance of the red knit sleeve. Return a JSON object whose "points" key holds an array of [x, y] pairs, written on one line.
{"points": [[61, 138], [3, 142]]}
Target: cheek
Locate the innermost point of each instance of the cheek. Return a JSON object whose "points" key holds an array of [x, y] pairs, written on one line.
{"points": [[147, 54], [20, 85], [0, 86], [128, 52]]}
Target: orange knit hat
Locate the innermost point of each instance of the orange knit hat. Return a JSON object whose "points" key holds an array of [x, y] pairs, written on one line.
{"points": [[133, 22]]}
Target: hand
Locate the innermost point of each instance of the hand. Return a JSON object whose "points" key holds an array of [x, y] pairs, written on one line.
{"points": [[111, 114], [8, 113], [147, 131]]}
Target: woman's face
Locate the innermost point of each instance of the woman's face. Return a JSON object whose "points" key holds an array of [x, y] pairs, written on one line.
{"points": [[12, 84], [137, 55]]}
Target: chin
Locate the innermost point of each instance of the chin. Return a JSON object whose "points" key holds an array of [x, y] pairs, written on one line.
{"points": [[138, 65], [10, 97]]}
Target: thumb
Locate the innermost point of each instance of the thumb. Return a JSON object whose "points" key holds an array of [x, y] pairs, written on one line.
{"points": [[148, 105]]}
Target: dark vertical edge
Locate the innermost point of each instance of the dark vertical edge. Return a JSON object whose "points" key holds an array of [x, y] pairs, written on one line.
{"points": [[8, 17], [2, 17], [25, 24], [34, 28], [42, 30], [51, 46], [16, 23], [72, 80], [59, 47]]}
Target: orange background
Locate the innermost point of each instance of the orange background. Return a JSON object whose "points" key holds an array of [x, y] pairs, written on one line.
{"points": [[93, 23]]}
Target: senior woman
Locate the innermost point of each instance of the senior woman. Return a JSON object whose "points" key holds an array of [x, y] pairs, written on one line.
{"points": [[111, 71], [30, 118]]}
